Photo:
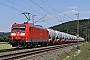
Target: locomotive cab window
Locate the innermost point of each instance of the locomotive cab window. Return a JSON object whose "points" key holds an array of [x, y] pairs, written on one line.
{"points": [[18, 28], [15, 28], [22, 28]]}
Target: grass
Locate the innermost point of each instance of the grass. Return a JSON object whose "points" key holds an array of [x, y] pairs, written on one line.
{"points": [[84, 55], [85, 52], [63, 56], [5, 45]]}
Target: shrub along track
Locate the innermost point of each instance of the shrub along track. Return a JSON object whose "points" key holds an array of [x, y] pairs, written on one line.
{"points": [[21, 53]]}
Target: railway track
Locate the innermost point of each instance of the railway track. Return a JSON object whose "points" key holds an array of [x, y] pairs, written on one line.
{"points": [[15, 49], [7, 50], [29, 52]]}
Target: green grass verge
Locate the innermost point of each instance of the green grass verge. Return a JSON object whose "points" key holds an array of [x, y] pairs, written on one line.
{"points": [[5, 45], [63, 56], [84, 55], [85, 52]]}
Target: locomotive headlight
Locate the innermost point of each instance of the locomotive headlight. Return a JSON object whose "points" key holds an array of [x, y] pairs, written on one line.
{"points": [[13, 34], [22, 34]]}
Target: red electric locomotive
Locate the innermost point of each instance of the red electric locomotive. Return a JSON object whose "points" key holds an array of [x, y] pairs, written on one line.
{"points": [[26, 34]]}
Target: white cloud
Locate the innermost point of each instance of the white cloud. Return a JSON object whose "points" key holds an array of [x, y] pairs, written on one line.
{"points": [[75, 11], [85, 18], [50, 16], [72, 7], [85, 12], [70, 12]]}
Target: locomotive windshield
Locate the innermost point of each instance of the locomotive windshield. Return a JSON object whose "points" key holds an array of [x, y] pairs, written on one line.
{"points": [[19, 28]]}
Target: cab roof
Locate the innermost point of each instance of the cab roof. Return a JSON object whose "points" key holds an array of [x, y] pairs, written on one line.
{"points": [[28, 24]]}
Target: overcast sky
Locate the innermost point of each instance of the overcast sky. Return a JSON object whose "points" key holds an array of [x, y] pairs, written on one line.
{"points": [[50, 12]]}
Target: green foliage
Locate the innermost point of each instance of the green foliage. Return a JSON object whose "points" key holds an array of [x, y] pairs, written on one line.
{"points": [[71, 28], [4, 37]]}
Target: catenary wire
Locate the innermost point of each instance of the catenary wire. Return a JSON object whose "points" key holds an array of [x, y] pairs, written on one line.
{"points": [[22, 7], [43, 9], [56, 10], [10, 7]]}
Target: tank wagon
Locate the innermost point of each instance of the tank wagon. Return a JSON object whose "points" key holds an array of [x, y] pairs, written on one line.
{"points": [[27, 34]]}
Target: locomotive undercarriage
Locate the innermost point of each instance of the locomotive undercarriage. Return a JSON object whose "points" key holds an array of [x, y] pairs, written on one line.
{"points": [[17, 43], [23, 44]]}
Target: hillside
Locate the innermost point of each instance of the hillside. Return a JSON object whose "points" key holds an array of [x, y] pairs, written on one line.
{"points": [[71, 28]]}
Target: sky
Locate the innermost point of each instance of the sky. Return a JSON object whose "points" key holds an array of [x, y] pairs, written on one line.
{"points": [[48, 12]]}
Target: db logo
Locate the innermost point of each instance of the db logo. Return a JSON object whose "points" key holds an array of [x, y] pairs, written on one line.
{"points": [[18, 34]]}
